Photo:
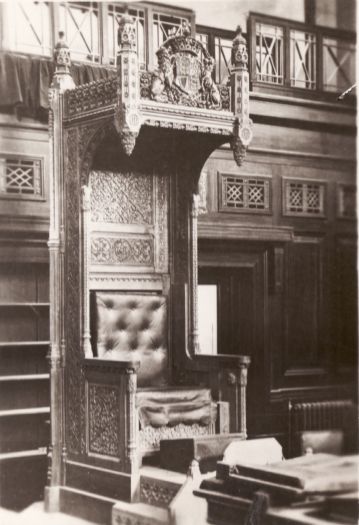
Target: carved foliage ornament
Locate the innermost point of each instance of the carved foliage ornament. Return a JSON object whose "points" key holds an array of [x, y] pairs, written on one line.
{"points": [[150, 437], [125, 250], [122, 198]]}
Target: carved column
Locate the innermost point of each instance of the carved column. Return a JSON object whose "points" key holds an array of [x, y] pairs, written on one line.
{"points": [[86, 209], [193, 277], [62, 80], [243, 372], [127, 114], [132, 421], [242, 132], [242, 380]]}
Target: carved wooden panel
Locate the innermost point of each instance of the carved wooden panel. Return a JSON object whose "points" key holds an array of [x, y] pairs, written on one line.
{"points": [[161, 222], [122, 250], [129, 221], [122, 198], [72, 299], [103, 420]]}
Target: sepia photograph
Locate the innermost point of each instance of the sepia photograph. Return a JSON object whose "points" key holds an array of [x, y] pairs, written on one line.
{"points": [[178, 262]]}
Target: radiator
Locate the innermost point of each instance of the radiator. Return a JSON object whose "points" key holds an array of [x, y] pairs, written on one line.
{"points": [[320, 415]]}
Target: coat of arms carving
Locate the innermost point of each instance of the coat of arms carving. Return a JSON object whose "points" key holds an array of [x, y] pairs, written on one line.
{"points": [[184, 74]]}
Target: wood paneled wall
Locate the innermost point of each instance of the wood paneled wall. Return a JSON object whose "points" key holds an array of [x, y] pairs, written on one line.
{"points": [[305, 319]]}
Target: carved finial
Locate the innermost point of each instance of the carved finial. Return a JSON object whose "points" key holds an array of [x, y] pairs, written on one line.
{"points": [[62, 77], [239, 55], [185, 28], [126, 35], [62, 56]]}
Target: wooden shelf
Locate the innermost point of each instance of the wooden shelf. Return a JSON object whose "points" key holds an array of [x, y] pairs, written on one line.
{"points": [[25, 411], [23, 453], [14, 344], [24, 377], [24, 305]]}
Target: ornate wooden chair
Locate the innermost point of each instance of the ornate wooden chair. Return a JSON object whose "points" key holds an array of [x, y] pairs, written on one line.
{"points": [[126, 156]]}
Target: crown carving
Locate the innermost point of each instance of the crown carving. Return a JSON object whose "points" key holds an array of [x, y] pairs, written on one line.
{"points": [[183, 43]]}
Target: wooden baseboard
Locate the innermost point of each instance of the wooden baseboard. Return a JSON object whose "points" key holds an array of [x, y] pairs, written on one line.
{"points": [[100, 481], [85, 505]]}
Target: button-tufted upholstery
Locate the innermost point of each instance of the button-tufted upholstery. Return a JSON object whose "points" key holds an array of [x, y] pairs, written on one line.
{"points": [[134, 326]]}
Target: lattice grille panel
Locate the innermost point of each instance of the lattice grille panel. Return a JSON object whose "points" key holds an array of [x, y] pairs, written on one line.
{"points": [[303, 198], [20, 177], [245, 194]]}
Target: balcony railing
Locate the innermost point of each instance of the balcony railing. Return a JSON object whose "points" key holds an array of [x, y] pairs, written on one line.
{"points": [[286, 57], [219, 44], [299, 57], [90, 28]]}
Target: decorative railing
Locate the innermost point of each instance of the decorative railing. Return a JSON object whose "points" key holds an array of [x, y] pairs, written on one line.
{"points": [[293, 55], [284, 54]]}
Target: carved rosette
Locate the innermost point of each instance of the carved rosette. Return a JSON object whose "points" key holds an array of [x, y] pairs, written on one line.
{"points": [[242, 130], [128, 118]]}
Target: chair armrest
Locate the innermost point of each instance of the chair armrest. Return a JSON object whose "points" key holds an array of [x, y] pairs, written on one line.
{"points": [[234, 372], [113, 367]]}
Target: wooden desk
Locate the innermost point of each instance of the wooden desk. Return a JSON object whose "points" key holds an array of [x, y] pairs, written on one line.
{"points": [[232, 495]]}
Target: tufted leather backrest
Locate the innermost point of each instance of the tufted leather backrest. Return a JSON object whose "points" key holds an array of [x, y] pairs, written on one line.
{"points": [[134, 326]]}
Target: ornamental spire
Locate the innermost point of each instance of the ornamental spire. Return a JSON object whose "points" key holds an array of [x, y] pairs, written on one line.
{"points": [[239, 55], [128, 119], [242, 131], [62, 78]]}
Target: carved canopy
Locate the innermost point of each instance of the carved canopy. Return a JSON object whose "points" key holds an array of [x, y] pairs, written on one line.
{"points": [[181, 94]]}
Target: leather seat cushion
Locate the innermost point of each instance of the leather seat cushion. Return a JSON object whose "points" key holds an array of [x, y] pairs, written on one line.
{"points": [[134, 326], [176, 405]]}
